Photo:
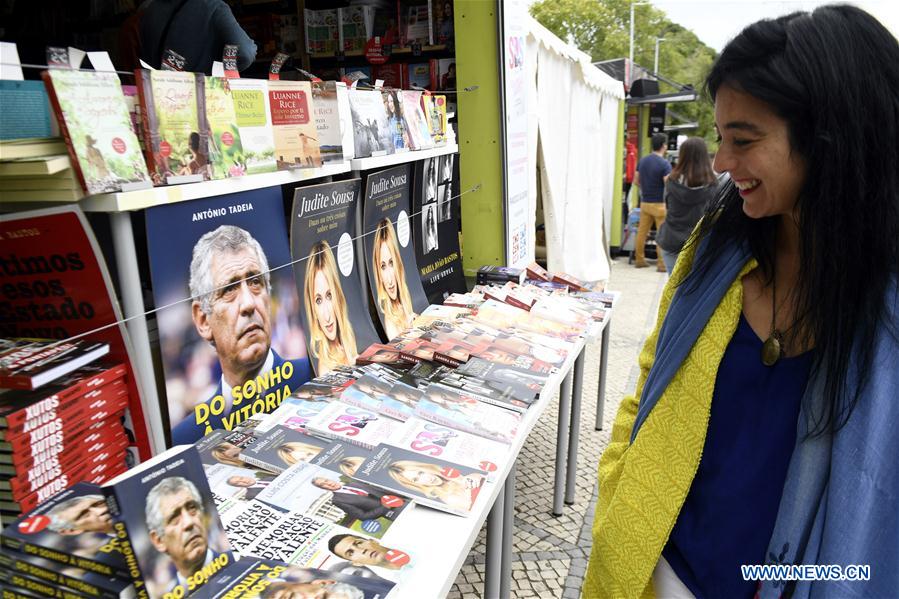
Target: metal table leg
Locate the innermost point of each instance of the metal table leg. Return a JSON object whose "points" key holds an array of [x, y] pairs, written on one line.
{"points": [[505, 577], [562, 443], [574, 432], [495, 540], [133, 304], [603, 364]]}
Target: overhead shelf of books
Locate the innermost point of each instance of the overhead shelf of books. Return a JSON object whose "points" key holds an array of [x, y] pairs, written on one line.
{"points": [[374, 162], [146, 198]]}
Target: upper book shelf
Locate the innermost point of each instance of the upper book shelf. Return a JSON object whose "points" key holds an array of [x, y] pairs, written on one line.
{"points": [[146, 198]]}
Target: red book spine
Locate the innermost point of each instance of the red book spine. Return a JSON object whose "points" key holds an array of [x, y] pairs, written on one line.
{"points": [[73, 157], [53, 444], [35, 414], [514, 301], [93, 407], [84, 471], [28, 482]]}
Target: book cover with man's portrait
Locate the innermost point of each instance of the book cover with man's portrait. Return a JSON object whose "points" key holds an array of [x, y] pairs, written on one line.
{"points": [[231, 340]]}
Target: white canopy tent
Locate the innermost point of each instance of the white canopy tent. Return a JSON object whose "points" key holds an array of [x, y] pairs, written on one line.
{"points": [[573, 128]]}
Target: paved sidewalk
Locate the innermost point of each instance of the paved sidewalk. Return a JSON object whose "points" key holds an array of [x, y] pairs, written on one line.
{"points": [[551, 553]]}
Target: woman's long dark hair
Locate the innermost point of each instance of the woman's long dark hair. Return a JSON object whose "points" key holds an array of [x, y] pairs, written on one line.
{"points": [[833, 75]]}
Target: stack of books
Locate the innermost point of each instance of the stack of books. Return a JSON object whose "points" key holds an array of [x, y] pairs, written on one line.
{"points": [[37, 170], [57, 433], [156, 531]]}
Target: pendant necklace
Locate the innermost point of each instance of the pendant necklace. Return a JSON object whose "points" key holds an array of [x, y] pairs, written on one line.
{"points": [[773, 348]]}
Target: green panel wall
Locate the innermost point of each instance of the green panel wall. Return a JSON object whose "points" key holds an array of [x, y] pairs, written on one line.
{"points": [[617, 183], [480, 154]]}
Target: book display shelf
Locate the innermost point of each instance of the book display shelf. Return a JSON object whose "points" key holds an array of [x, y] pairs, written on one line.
{"points": [[412, 39]]}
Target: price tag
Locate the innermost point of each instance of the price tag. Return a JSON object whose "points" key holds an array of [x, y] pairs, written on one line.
{"points": [[416, 49], [229, 60]]}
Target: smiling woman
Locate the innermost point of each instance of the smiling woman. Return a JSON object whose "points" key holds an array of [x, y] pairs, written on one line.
{"points": [[393, 298], [331, 338], [736, 451]]}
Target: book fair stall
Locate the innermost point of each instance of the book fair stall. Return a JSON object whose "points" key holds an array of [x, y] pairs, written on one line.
{"points": [[239, 355]]}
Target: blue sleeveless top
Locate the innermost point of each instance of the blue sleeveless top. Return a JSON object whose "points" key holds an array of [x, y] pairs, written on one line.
{"points": [[729, 514]]}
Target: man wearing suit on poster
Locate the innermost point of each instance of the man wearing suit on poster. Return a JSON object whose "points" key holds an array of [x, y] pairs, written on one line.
{"points": [[358, 500], [231, 290]]}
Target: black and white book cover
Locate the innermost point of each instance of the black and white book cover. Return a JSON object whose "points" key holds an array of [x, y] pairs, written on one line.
{"points": [[258, 579], [436, 204], [441, 484], [295, 412], [165, 509], [400, 401], [389, 252], [371, 132], [335, 318]]}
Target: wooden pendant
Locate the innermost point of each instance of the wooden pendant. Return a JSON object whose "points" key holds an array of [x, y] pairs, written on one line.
{"points": [[771, 349]]}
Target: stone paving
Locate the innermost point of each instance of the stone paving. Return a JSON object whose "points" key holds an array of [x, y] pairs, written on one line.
{"points": [[551, 553]]}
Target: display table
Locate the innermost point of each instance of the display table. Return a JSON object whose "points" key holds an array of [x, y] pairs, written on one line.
{"points": [[441, 541]]}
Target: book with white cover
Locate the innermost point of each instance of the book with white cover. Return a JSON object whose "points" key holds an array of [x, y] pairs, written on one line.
{"points": [[315, 491], [435, 440], [339, 420], [256, 529]]}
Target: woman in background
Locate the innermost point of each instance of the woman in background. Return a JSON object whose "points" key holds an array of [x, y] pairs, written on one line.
{"points": [[331, 338], [691, 187], [393, 297]]}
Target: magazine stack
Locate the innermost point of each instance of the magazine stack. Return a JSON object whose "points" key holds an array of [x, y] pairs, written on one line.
{"points": [[61, 425]]}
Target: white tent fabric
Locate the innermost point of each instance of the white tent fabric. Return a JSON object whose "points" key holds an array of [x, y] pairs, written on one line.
{"points": [[577, 114]]}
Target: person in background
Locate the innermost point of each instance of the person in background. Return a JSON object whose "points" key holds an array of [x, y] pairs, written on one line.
{"points": [[691, 187], [735, 451], [198, 30], [652, 173]]}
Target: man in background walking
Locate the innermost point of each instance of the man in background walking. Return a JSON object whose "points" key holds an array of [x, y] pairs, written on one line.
{"points": [[652, 173]]}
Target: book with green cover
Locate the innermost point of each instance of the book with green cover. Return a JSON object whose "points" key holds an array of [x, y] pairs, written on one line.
{"points": [[254, 119], [94, 120], [174, 123], [226, 155]]}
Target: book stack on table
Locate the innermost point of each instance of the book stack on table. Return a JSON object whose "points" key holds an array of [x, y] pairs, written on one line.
{"points": [[60, 423]]}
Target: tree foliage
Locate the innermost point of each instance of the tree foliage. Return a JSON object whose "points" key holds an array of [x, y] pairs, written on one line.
{"points": [[601, 28]]}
